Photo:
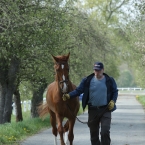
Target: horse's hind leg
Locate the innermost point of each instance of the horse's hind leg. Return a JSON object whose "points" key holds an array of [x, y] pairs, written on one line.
{"points": [[53, 122]]}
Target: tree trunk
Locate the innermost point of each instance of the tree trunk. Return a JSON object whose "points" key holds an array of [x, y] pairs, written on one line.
{"points": [[2, 102], [3, 83], [18, 107], [8, 106], [36, 100], [10, 80]]}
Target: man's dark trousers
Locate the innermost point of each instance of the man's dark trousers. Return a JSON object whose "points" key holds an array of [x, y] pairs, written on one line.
{"points": [[95, 120]]}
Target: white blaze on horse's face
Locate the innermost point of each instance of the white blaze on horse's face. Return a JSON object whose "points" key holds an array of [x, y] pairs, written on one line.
{"points": [[62, 66], [64, 85], [64, 89]]}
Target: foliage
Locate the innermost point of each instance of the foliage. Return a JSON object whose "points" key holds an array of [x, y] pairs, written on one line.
{"points": [[134, 53], [110, 18], [25, 91], [105, 29], [107, 11], [125, 79]]}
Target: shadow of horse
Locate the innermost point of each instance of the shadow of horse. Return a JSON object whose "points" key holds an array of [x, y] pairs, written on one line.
{"points": [[55, 106]]}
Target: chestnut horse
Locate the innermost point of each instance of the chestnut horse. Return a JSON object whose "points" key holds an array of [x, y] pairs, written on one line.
{"points": [[55, 105]]}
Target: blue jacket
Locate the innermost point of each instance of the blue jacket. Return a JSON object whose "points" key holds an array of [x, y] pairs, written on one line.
{"points": [[112, 91]]}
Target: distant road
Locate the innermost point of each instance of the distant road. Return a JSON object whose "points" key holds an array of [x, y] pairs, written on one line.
{"points": [[128, 126]]}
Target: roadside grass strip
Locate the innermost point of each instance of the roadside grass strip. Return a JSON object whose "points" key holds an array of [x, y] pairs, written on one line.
{"points": [[12, 133], [141, 99]]}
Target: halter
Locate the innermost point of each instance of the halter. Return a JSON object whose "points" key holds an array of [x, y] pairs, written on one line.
{"points": [[61, 82], [64, 81]]}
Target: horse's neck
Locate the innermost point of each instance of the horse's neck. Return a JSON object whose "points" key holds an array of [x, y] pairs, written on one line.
{"points": [[56, 78]]}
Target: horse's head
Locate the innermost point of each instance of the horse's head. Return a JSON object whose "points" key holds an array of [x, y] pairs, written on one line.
{"points": [[62, 71]]}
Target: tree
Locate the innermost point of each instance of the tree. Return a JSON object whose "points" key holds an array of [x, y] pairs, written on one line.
{"points": [[125, 79], [134, 53], [106, 18]]}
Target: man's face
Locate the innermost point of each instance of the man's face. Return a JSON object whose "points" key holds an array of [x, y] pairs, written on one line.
{"points": [[99, 73]]}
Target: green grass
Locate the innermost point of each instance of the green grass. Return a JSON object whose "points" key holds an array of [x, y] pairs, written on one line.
{"points": [[12, 133], [141, 99]]}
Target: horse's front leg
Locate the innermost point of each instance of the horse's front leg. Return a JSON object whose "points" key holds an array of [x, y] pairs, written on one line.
{"points": [[71, 134], [60, 128], [53, 122]]}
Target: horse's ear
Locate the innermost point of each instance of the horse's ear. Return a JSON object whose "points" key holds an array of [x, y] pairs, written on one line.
{"points": [[68, 55], [55, 58]]}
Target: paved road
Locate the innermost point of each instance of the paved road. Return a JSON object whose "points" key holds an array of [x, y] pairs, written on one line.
{"points": [[128, 126]]}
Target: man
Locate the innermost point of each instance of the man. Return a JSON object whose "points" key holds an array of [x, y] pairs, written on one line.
{"points": [[100, 94]]}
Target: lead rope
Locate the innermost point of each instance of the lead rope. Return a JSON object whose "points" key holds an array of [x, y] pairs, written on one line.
{"points": [[74, 115], [106, 108]]}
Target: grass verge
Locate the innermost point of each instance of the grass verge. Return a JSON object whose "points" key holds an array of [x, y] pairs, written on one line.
{"points": [[141, 99], [12, 133]]}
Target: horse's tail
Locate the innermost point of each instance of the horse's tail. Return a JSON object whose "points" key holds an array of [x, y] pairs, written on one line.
{"points": [[66, 126], [43, 110]]}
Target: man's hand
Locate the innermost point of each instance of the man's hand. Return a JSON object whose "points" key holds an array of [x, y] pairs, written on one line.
{"points": [[111, 105], [65, 97]]}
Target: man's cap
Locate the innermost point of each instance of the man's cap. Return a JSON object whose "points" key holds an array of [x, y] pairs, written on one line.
{"points": [[98, 66]]}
